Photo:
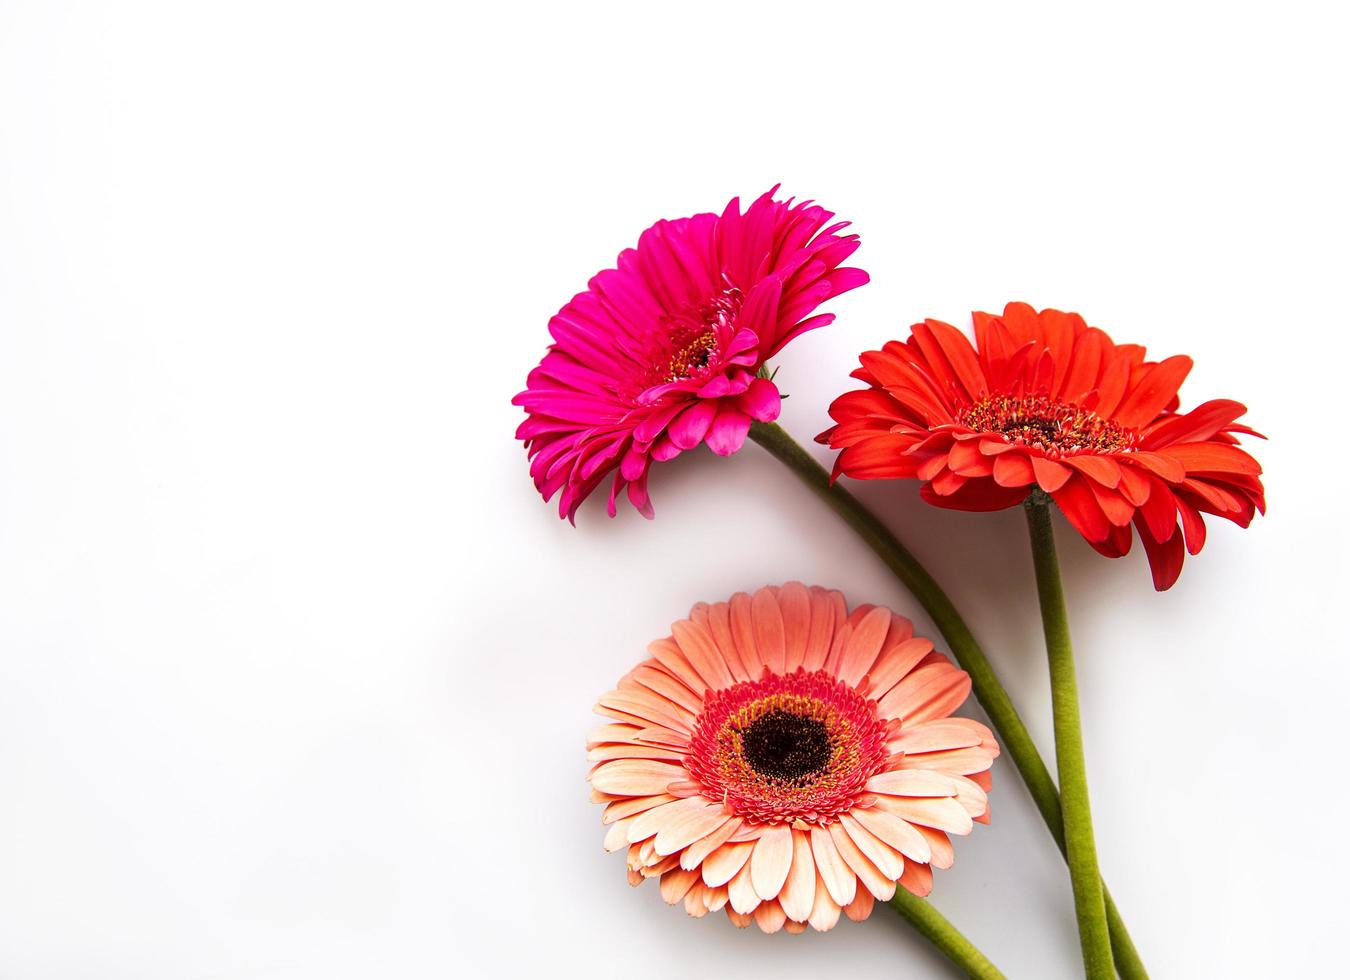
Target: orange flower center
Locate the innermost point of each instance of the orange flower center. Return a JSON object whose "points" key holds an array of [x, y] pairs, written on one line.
{"points": [[696, 333], [784, 749], [692, 357], [1058, 428]]}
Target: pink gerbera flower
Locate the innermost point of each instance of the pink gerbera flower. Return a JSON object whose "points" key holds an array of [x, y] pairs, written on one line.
{"points": [[662, 352], [785, 759]]}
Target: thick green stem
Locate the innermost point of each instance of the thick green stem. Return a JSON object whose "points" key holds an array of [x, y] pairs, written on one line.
{"points": [[945, 936], [1088, 899], [1013, 734]]}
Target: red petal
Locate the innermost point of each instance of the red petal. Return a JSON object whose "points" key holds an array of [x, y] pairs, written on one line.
{"points": [[1049, 474], [1161, 464], [1213, 457], [1103, 469], [1013, 470], [1164, 558], [1080, 506], [1197, 425], [976, 495], [1151, 394]]}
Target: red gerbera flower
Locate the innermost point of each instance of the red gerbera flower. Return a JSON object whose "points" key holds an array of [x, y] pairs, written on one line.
{"points": [[1044, 401], [661, 353]]}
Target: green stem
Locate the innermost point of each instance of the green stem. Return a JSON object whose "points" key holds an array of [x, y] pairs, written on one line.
{"points": [[1088, 899], [1013, 734], [945, 936]]}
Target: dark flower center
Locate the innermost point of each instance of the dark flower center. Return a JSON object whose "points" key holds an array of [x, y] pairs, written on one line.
{"points": [[799, 746], [1058, 428], [786, 746]]}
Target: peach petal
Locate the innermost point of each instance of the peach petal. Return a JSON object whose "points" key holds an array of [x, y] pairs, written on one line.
{"points": [[941, 734], [821, 630], [738, 920], [660, 867], [696, 900], [958, 762], [972, 796], [799, 891], [901, 630], [864, 645], [689, 828], [838, 877], [912, 782], [604, 753], [824, 910], [771, 861], [837, 647], [918, 879], [698, 647], [895, 663], [717, 899], [658, 818], [861, 906], [648, 705], [794, 928], [743, 628], [631, 806], [770, 633], [719, 625], [726, 862], [742, 892], [944, 855], [676, 883], [770, 917], [610, 733], [696, 853], [938, 698], [635, 777], [940, 814], [658, 735], [795, 603], [669, 687], [894, 832], [872, 878], [667, 653], [886, 858], [616, 838]]}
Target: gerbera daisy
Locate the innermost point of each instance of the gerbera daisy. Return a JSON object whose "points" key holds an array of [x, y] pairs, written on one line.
{"points": [[662, 352], [785, 759], [1043, 401]]}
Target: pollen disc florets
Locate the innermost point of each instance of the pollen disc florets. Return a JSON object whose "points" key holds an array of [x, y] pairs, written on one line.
{"points": [[697, 336], [1057, 428], [787, 748]]}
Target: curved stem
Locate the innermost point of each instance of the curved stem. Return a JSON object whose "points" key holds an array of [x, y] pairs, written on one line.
{"points": [[1082, 849], [945, 936], [989, 691]]}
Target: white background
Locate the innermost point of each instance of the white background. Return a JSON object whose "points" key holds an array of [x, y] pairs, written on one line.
{"points": [[295, 668]]}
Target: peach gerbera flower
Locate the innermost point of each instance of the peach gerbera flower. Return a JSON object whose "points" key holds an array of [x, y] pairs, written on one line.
{"points": [[785, 759]]}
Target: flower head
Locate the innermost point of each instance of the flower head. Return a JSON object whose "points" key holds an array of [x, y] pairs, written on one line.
{"points": [[785, 759], [1044, 401], [661, 353]]}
